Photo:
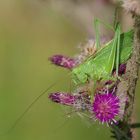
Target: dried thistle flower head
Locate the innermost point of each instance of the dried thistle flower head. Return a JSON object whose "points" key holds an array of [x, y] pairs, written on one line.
{"points": [[132, 6], [89, 48], [86, 49], [63, 61], [63, 98]]}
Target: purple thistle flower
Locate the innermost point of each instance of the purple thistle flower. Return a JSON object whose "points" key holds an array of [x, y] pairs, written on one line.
{"points": [[63, 61], [106, 107], [122, 69], [63, 98]]}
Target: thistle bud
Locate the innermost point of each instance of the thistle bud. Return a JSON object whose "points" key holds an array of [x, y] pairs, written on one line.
{"points": [[63, 98], [63, 61]]}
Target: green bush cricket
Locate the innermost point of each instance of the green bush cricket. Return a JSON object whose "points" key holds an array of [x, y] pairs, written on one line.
{"points": [[100, 66]]}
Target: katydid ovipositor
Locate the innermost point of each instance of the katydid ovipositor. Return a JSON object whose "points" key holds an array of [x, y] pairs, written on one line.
{"points": [[107, 58]]}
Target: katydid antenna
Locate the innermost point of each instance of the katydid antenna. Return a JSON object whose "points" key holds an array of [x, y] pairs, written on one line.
{"points": [[28, 108]]}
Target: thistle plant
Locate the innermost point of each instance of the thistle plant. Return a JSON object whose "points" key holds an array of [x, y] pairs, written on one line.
{"points": [[104, 76], [103, 79], [96, 73]]}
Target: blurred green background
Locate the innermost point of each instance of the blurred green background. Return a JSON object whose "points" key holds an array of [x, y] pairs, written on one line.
{"points": [[29, 34]]}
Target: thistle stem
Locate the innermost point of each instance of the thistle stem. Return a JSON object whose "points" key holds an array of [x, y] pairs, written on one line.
{"points": [[129, 81]]}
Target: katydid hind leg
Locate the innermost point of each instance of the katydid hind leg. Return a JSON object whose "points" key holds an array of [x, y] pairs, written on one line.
{"points": [[112, 55], [118, 50]]}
